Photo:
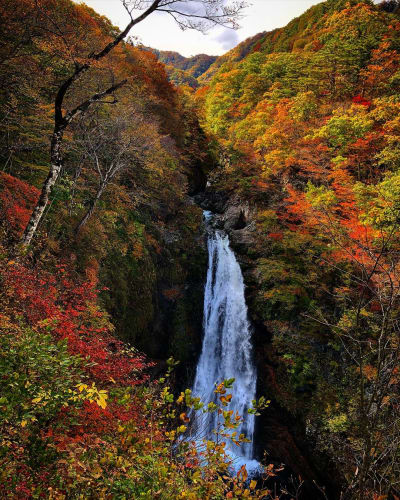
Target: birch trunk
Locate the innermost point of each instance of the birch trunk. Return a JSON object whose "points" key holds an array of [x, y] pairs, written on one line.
{"points": [[55, 168]]}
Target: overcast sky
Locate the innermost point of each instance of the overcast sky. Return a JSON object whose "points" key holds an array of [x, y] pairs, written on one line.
{"points": [[160, 31]]}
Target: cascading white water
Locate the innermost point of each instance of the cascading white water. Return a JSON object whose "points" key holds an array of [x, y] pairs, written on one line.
{"points": [[227, 349]]}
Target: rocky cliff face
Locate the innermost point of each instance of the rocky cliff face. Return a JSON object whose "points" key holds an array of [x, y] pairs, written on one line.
{"points": [[280, 434], [158, 306], [156, 298]]}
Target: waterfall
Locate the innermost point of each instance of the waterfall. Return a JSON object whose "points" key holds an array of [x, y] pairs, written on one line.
{"points": [[227, 349]]}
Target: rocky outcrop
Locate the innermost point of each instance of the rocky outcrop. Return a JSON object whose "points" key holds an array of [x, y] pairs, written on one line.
{"points": [[156, 298], [235, 216]]}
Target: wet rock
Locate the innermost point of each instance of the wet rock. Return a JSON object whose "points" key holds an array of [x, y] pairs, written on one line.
{"points": [[237, 215], [170, 237], [197, 180], [242, 240], [215, 201]]}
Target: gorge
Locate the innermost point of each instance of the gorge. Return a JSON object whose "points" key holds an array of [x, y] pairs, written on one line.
{"points": [[124, 294]]}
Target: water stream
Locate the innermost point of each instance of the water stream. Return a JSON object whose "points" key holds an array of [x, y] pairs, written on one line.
{"points": [[227, 349]]}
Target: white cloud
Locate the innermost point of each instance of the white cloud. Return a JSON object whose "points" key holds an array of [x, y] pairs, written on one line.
{"points": [[226, 38]]}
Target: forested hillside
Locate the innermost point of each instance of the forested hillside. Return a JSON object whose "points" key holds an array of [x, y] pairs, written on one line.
{"points": [[107, 159], [307, 127], [184, 70]]}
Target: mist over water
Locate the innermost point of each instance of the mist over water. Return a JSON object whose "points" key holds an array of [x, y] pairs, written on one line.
{"points": [[227, 349]]}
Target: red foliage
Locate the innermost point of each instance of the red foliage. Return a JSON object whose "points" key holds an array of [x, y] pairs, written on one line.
{"points": [[96, 420], [358, 99], [172, 293], [17, 199], [70, 306], [316, 45], [375, 306], [276, 236], [257, 47]]}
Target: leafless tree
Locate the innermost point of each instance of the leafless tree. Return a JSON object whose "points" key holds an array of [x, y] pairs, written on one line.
{"points": [[114, 145]]}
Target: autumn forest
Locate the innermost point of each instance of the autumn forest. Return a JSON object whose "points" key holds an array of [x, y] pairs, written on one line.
{"points": [[171, 223]]}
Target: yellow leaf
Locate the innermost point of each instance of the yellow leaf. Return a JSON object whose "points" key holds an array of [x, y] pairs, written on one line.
{"points": [[23, 423], [36, 400], [253, 484], [102, 402], [196, 476]]}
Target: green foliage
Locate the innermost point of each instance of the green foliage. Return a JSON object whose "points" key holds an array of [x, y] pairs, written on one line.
{"points": [[381, 202], [53, 421], [306, 122], [38, 376], [194, 66], [320, 197], [304, 106], [343, 129]]}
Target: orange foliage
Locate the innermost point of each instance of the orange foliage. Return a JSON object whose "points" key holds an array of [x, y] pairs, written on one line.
{"points": [[17, 199]]}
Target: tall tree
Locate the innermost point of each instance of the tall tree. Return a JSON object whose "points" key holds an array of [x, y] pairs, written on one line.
{"points": [[192, 14]]}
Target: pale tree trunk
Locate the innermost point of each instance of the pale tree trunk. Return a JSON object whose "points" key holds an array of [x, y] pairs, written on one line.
{"points": [[184, 19], [92, 206], [55, 168], [62, 123]]}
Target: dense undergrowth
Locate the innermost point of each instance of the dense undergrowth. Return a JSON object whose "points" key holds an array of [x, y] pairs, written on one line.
{"points": [[79, 416], [126, 223]]}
